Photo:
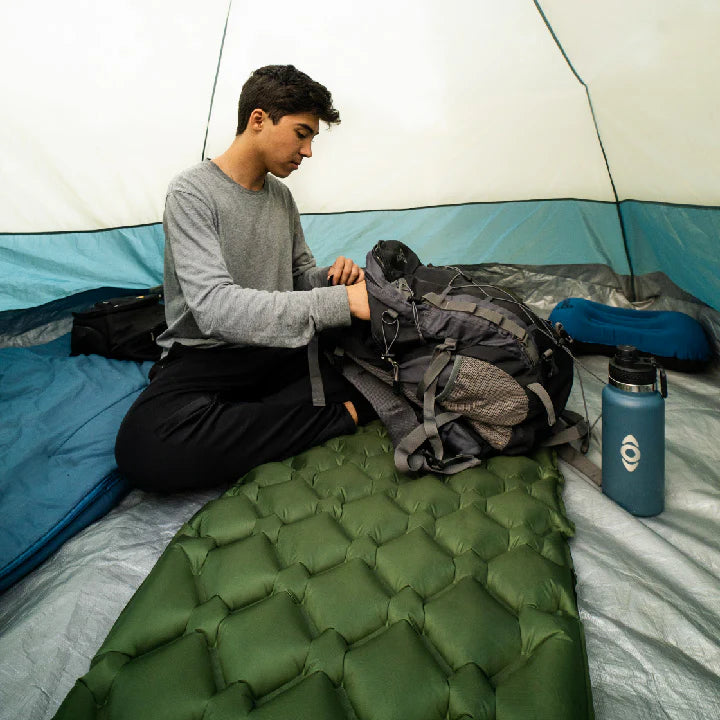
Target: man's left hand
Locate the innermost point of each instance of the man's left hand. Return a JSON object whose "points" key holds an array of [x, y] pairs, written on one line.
{"points": [[345, 272]]}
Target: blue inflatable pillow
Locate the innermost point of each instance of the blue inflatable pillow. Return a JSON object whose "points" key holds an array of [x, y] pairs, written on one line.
{"points": [[674, 338]]}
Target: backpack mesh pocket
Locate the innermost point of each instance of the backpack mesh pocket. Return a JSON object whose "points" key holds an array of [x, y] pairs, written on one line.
{"points": [[488, 397]]}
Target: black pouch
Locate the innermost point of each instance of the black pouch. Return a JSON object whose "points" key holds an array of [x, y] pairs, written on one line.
{"points": [[123, 328]]}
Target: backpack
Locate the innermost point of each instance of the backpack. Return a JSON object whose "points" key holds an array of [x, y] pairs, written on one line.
{"points": [[456, 369]]}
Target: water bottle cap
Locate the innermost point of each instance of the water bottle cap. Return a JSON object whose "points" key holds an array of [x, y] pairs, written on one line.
{"points": [[630, 368]]}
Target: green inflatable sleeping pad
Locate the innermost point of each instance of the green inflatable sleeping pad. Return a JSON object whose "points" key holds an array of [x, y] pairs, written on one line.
{"points": [[329, 586]]}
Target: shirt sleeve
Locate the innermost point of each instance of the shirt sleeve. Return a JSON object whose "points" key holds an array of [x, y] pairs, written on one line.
{"points": [[238, 315]]}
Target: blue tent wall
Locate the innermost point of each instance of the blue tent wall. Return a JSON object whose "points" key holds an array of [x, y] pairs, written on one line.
{"points": [[485, 149], [538, 232], [681, 241], [38, 268], [35, 269]]}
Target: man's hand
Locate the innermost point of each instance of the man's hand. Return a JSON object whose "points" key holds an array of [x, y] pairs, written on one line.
{"points": [[358, 299], [345, 272]]}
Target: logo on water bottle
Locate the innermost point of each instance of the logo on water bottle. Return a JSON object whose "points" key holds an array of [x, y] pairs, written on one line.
{"points": [[630, 453]]}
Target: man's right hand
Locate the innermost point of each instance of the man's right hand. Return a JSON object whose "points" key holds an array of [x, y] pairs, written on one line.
{"points": [[358, 300]]}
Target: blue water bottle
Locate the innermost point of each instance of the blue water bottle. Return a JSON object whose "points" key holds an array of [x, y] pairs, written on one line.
{"points": [[633, 433]]}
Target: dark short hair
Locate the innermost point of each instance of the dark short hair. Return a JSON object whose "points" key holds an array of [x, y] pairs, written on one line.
{"points": [[284, 90]]}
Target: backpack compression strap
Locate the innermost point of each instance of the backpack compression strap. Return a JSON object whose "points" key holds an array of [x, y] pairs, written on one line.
{"points": [[496, 318], [545, 399], [426, 392], [407, 461], [571, 426]]}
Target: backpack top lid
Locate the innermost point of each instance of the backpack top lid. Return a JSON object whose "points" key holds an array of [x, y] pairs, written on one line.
{"points": [[394, 258]]}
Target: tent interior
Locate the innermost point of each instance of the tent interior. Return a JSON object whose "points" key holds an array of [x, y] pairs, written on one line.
{"points": [[565, 149]]}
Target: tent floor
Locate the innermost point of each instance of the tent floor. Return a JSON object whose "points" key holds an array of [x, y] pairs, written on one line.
{"points": [[646, 587]]}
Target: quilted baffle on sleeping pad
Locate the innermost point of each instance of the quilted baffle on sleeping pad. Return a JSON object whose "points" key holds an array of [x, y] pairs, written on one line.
{"points": [[330, 586]]}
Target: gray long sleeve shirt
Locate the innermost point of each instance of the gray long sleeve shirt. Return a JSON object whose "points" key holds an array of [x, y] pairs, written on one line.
{"points": [[236, 266]]}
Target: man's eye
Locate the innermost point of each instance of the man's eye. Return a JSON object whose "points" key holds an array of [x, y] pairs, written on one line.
{"points": [[301, 135]]}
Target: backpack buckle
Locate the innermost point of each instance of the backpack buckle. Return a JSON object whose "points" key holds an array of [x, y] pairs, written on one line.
{"points": [[548, 360]]}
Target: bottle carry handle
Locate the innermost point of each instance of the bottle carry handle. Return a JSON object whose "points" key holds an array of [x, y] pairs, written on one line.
{"points": [[663, 377]]}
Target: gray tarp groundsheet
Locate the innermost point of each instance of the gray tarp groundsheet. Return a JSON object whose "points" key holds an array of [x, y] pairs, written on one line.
{"points": [[648, 589]]}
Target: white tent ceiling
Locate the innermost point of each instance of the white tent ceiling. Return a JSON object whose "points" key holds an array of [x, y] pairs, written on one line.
{"points": [[466, 101]]}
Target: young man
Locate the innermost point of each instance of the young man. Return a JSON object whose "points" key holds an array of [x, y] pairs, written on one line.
{"points": [[243, 298]]}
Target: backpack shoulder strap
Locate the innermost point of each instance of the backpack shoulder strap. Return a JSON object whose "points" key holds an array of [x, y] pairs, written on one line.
{"points": [[571, 426], [393, 409]]}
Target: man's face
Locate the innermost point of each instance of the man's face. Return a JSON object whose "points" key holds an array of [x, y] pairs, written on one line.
{"points": [[288, 143]]}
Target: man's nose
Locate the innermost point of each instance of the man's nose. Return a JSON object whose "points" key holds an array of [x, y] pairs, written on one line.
{"points": [[306, 149]]}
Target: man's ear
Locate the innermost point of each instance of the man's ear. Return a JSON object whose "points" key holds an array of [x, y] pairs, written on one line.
{"points": [[256, 119]]}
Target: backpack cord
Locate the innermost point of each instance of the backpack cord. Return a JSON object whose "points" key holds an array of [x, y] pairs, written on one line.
{"points": [[387, 355], [388, 345], [416, 319], [582, 389]]}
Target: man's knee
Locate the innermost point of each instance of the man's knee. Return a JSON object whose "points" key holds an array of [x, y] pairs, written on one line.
{"points": [[155, 463], [160, 468]]}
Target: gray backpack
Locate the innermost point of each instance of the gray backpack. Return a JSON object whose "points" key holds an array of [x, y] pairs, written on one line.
{"points": [[457, 370]]}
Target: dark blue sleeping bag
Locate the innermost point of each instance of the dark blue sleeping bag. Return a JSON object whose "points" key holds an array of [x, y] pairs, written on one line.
{"points": [[58, 423], [677, 340]]}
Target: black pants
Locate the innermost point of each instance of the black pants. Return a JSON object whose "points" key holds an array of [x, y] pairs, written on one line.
{"points": [[210, 415]]}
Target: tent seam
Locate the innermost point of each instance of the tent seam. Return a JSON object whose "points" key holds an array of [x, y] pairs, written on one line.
{"points": [[395, 209], [217, 73], [602, 146]]}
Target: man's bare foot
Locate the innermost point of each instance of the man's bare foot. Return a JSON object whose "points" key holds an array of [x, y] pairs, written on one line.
{"points": [[351, 409]]}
